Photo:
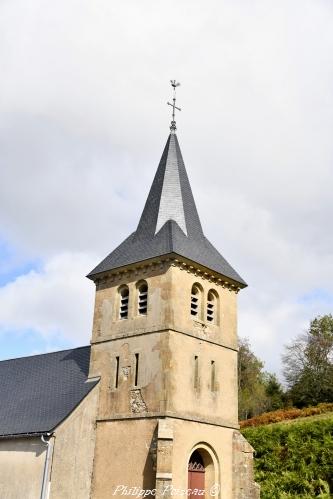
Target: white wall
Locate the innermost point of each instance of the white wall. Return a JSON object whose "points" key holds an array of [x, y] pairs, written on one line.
{"points": [[21, 468]]}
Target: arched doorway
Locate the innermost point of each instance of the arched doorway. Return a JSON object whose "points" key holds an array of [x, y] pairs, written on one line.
{"points": [[196, 474], [203, 472]]}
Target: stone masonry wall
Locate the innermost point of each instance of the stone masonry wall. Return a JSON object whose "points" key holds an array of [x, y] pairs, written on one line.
{"points": [[244, 486]]}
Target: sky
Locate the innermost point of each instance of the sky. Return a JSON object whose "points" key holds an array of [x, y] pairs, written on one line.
{"points": [[83, 122]]}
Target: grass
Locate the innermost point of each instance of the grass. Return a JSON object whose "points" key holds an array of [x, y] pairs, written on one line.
{"points": [[306, 419]]}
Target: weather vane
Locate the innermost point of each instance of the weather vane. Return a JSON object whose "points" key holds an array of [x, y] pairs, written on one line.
{"points": [[174, 84]]}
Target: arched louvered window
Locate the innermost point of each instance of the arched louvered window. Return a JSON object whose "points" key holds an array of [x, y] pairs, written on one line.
{"points": [[124, 299], [212, 307], [196, 294], [142, 298]]}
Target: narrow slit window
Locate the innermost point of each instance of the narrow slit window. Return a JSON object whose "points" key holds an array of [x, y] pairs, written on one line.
{"points": [[195, 301], [136, 369], [124, 298], [143, 299], [211, 307], [212, 375], [196, 371], [116, 373]]}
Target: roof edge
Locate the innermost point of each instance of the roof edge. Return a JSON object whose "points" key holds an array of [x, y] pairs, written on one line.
{"points": [[10, 436], [45, 353]]}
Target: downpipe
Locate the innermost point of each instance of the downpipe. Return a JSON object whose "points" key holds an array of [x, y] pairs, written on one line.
{"points": [[47, 465]]}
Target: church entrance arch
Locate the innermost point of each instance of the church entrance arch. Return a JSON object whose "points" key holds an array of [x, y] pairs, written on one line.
{"points": [[202, 472]]}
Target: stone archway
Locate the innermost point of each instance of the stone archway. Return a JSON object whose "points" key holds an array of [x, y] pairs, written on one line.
{"points": [[203, 472]]}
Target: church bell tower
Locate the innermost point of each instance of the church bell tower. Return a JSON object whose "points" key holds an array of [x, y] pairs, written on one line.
{"points": [[164, 345]]}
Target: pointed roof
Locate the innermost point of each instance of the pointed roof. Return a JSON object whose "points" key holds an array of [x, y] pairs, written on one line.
{"points": [[170, 196], [169, 223]]}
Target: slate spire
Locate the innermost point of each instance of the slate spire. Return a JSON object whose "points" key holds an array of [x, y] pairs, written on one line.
{"points": [[169, 223], [170, 196]]}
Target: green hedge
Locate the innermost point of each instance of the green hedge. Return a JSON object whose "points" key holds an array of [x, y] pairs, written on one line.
{"points": [[294, 460]]}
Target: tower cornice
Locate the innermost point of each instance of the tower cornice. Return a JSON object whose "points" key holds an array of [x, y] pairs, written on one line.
{"points": [[145, 267]]}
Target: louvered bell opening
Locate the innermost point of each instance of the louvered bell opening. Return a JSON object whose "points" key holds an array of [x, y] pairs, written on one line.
{"points": [[124, 304], [210, 311], [195, 302], [143, 300], [195, 294], [194, 305]]}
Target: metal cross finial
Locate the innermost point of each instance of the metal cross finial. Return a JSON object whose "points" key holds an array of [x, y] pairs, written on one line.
{"points": [[174, 84]]}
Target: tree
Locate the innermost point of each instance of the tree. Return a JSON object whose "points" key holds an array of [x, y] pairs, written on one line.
{"points": [[276, 398], [258, 391], [308, 364], [252, 399]]}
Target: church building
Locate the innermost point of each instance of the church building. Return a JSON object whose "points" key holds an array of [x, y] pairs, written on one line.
{"points": [[150, 408]]}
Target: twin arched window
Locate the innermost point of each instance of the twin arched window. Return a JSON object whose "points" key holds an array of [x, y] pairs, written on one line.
{"points": [[142, 299], [197, 311], [211, 313]]}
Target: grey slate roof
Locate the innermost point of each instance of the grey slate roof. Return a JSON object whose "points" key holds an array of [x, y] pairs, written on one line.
{"points": [[169, 223], [38, 392]]}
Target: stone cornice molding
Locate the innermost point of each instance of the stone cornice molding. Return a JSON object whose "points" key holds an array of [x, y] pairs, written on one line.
{"points": [[169, 414], [142, 269], [160, 330]]}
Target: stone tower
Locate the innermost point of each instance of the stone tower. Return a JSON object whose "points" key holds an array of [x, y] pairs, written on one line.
{"points": [[164, 345]]}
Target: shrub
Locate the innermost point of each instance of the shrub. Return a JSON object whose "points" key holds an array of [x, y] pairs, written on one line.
{"points": [[285, 414], [294, 460]]}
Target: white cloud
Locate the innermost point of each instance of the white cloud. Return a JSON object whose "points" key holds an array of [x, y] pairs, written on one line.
{"points": [[83, 92], [56, 300]]}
